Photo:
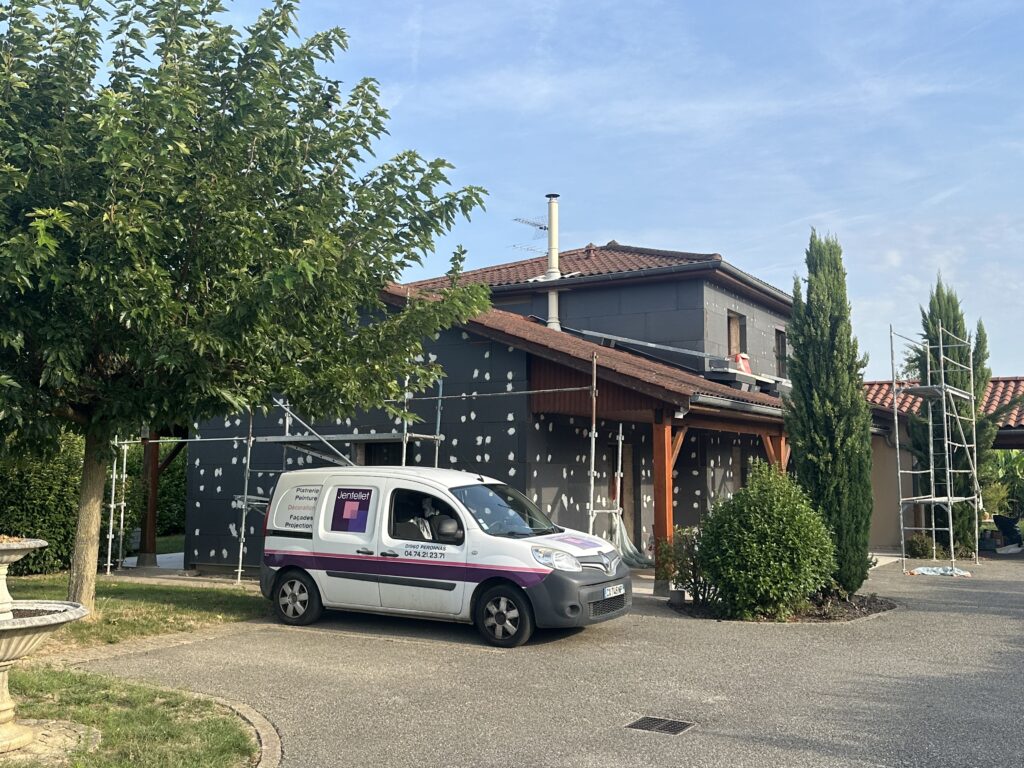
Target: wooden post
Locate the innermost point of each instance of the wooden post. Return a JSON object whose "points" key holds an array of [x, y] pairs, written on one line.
{"points": [[663, 480], [151, 475]]}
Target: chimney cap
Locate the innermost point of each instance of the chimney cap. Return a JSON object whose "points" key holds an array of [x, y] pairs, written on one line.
{"points": [[552, 196]]}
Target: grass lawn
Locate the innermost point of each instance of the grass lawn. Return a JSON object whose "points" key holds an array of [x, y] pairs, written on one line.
{"points": [[142, 727], [126, 610], [165, 545]]}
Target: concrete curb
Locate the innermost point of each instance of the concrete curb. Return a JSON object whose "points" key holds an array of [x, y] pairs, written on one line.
{"points": [[267, 737]]}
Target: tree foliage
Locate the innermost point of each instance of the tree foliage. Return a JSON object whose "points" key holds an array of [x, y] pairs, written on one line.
{"points": [[196, 223], [826, 414], [944, 310]]}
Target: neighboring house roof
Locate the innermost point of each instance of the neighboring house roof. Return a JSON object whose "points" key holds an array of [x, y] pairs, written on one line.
{"points": [[601, 263], [658, 380], [1000, 391], [593, 260]]}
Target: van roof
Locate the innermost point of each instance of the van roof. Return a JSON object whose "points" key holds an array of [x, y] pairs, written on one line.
{"points": [[447, 477]]}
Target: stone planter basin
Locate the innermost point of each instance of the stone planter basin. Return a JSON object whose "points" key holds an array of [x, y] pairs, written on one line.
{"points": [[13, 551], [33, 621], [23, 625]]}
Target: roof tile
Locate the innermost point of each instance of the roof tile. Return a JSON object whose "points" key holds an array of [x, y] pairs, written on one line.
{"points": [[580, 262], [1000, 391]]}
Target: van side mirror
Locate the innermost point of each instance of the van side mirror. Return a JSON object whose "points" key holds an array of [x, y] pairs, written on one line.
{"points": [[448, 532]]}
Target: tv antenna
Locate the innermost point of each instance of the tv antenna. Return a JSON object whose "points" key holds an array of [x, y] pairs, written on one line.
{"points": [[540, 228], [535, 223]]}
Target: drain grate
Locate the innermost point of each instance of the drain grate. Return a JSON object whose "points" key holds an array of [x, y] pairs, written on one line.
{"points": [[661, 725]]}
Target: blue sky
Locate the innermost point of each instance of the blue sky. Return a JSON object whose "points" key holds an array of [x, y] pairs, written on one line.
{"points": [[727, 127]]}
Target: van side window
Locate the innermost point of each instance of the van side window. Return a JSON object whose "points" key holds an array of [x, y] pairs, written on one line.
{"points": [[415, 516]]}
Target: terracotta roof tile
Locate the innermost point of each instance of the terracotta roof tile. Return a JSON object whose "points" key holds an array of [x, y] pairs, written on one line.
{"points": [[1000, 391], [609, 259]]}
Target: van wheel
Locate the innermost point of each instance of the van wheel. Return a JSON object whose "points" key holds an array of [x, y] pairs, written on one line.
{"points": [[503, 616], [296, 599]]}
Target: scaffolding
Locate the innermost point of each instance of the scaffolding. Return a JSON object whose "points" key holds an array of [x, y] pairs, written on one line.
{"points": [[322, 447], [951, 475]]}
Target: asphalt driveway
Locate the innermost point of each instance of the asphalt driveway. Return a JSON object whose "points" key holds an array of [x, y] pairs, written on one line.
{"points": [[937, 682]]}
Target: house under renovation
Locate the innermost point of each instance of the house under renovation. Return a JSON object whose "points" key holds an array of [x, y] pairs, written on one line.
{"points": [[688, 354], [690, 362]]}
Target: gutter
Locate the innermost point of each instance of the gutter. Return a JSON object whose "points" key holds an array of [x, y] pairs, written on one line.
{"points": [[736, 405]]}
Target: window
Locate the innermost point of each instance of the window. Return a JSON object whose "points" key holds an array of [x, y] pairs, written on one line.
{"points": [[415, 516], [504, 511], [781, 353], [737, 333]]}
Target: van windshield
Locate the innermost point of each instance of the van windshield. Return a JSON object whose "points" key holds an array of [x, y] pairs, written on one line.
{"points": [[503, 511]]}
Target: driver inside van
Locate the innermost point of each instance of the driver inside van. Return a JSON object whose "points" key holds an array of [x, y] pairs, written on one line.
{"points": [[423, 522]]}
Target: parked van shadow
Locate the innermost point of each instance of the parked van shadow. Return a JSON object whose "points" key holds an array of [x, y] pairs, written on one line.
{"points": [[402, 628]]}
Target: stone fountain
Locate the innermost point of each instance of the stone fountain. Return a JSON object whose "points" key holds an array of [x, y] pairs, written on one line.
{"points": [[23, 625]]}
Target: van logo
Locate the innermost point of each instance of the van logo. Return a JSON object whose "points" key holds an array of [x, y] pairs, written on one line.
{"points": [[606, 563]]}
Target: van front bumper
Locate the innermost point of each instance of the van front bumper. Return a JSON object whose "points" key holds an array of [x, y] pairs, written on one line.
{"points": [[576, 599]]}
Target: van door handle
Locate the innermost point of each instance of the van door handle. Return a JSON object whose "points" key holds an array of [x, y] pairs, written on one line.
{"points": [[388, 553], [364, 551]]}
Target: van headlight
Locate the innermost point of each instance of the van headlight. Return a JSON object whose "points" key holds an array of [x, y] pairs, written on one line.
{"points": [[556, 558]]}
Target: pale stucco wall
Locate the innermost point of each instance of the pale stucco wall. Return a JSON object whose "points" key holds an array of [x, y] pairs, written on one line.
{"points": [[885, 521]]}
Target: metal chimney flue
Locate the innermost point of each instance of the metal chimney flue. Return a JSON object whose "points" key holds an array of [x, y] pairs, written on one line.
{"points": [[553, 272]]}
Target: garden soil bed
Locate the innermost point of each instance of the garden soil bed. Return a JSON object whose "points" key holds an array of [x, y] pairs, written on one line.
{"points": [[817, 611]]}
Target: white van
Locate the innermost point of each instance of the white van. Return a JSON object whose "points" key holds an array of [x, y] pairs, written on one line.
{"points": [[433, 543]]}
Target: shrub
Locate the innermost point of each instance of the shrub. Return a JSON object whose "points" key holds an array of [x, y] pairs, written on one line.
{"points": [[766, 550], [39, 499], [679, 562]]}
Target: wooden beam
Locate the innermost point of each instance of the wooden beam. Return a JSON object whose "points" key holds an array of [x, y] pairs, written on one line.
{"points": [[784, 453], [727, 425], [170, 457], [663, 480], [677, 444], [769, 448]]}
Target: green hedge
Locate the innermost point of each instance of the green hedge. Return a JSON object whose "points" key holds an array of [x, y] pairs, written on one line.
{"points": [[39, 499], [766, 550]]}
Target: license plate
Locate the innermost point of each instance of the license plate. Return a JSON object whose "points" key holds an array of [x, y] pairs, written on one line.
{"points": [[615, 590]]}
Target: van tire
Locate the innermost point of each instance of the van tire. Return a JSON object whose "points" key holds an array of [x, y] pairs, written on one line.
{"points": [[503, 616], [296, 598]]}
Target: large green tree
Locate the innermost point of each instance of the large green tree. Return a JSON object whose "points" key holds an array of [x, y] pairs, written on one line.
{"points": [[195, 223], [826, 414], [962, 363]]}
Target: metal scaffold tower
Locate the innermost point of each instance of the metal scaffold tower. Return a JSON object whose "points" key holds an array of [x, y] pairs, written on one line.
{"points": [[950, 480]]}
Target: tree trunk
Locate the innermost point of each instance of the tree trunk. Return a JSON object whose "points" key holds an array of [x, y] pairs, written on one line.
{"points": [[82, 579]]}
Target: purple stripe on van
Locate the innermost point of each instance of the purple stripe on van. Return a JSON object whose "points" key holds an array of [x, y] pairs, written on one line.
{"points": [[397, 567]]}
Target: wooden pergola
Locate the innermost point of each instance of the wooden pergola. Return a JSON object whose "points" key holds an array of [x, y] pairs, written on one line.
{"points": [[670, 414]]}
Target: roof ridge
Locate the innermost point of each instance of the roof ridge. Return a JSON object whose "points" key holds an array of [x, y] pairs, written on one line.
{"points": [[614, 245]]}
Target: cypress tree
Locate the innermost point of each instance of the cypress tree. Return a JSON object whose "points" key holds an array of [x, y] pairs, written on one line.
{"points": [[944, 309], [826, 414]]}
